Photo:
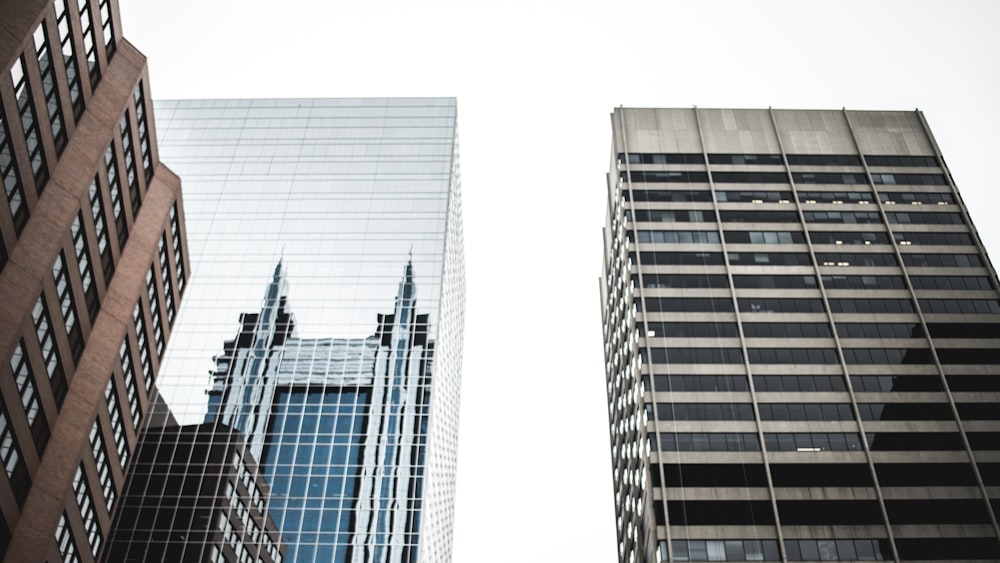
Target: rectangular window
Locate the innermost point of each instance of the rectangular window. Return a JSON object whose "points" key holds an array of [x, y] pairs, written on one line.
{"points": [[175, 233], [125, 128], [144, 147], [50, 352], [100, 451], [84, 265], [65, 541], [49, 88], [64, 292], [131, 387], [89, 41], [117, 421], [85, 501], [101, 227], [22, 93], [108, 27], [168, 292], [115, 187], [13, 462], [11, 178], [154, 310], [28, 391], [69, 56], [144, 355]]}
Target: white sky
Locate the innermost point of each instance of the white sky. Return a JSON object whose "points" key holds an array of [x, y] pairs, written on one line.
{"points": [[535, 83]]}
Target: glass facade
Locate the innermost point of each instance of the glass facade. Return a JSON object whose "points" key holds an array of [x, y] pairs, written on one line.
{"points": [[345, 215]]}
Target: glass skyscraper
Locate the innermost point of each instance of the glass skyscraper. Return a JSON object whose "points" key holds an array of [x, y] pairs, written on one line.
{"points": [[801, 329], [325, 323]]}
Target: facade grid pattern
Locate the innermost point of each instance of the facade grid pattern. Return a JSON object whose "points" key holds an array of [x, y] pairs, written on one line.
{"points": [[777, 324]]}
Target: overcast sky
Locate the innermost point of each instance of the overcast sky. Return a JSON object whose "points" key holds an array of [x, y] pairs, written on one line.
{"points": [[535, 83]]}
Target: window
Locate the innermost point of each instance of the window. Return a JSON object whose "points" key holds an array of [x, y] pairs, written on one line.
{"points": [[828, 178], [798, 383], [154, 309], [959, 283], [900, 160], [144, 354], [772, 258], [943, 260], [65, 541], [89, 41], [692, 330], [824, 159], [753, 196], [848, 237], [687, 304], [28, 391], [805, 411], [107, 25], [670, 383], [879, 330], [50, 353], [660, 176], [812, 442], [681, 258], [774, 282], [695, 355], [964, 330], [704, 411], [726, 550], [952, 239], [746, 159], [678, 237], [752, 216], [926, 218], [750, 177], [961, 306], [891, 356], [855, 259], [905, 411], [675, 158], [910, 179], [175, 234], [132, 176], [64, 292], [103, 241], [100, 451], [821, 475], [792, 356], [779, 305], [49, 88], [838, 550], [916, 441], [850, 217], [863, 282], [69, 56], [168, 292], [891, 383], [83, 264], [85, 501], [836, 197], [712, 475], [786, 330], [13, 462], [36, 155], [684, 280], [131, 388], [724, 512], [674, 216], [917, 198], [764, 237], [117, 421], [115, 187], [668, 195], [11, 179]]}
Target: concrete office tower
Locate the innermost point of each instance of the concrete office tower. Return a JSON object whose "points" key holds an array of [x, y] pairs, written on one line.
{"points": [[345, 216], [801, 331], [93, 262]]}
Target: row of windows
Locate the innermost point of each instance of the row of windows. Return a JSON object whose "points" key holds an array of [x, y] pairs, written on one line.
{"points": [[670, 383], [827, 356], [805, 411], [84, 265], [117, 421], [821, 383], [845, 178], [85, 502], [690, 330], [721, 550], [783, 196], [775, 159], [961, 306], [101, 461], [12, 460], [821, 474], [797, 237]]}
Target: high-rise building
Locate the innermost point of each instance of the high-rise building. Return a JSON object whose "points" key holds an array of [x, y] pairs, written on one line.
{"points": [[93, 261], [801, 329], [325, 325]]}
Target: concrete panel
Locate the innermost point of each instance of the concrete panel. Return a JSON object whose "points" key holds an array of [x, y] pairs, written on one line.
{"points": [[890, 132], [738, 131], [814, 132], [659, 130]]}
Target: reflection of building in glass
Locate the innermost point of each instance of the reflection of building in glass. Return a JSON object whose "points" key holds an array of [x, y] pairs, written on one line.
{"points": [[338, 424], [350, 421], [801, 330], [93, 264], [194, 494]]}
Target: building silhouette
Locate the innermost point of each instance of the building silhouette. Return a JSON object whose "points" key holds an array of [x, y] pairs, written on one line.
{"points": [[801, 329], [93, 263], [342, 382]]}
